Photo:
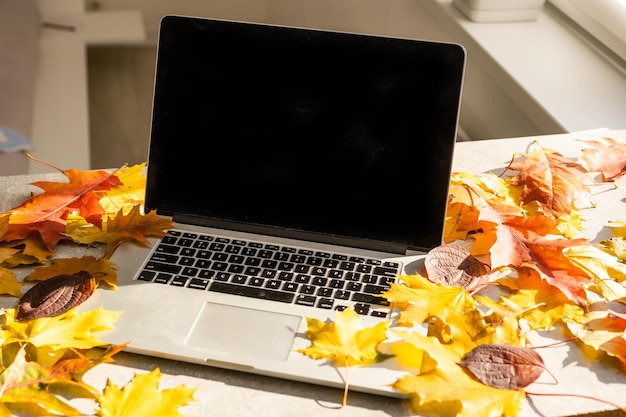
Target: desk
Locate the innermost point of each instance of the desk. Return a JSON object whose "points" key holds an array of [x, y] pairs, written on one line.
{"points": [[226, 393]]}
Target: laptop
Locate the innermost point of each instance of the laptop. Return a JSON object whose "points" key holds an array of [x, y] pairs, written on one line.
{"points": [[327, 155]]}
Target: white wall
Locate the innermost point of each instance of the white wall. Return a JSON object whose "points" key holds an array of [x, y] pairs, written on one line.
{"points": [[487, 111]]}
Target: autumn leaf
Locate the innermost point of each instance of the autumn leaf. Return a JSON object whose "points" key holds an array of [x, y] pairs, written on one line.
{"points": [[420, 299], [51, 337], [449, 390], [615, 246], [549, 260], [608, 158], [602, 331], [142, 397], [55, 296], [344, 342], [132, 226], [102, 269], [454, 265], [47, 212], [9, 284], [130, 192], [550, 179], [535, 300], [21, 384], [504, 366], [606, 270]]}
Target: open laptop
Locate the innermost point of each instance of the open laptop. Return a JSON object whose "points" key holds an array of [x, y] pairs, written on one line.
{"points": [[327, 155]]}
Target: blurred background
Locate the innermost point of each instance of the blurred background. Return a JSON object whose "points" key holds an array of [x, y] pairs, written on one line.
{"points": [[533, 67]]}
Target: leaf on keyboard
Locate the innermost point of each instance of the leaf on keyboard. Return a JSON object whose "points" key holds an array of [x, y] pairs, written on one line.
{"points": [[55, 296], [344, 342]]}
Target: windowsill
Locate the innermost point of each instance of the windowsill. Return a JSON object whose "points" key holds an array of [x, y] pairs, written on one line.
{"points": [[558, 79]]}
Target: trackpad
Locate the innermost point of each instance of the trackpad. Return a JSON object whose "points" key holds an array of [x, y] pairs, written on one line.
{"points": [[244, 331]]}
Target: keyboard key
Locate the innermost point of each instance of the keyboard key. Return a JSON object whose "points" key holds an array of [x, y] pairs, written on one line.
{"points": [[146, 275], [164, 257], [362, 309], [342, 295], [325, 303], [255, 292], [161, 267], [167, 249], [198, 284], [273, 284], [179, 281], [306, 300], [369, 299]]}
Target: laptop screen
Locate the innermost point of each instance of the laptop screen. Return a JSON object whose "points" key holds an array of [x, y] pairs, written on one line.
{"points": [[332, 136]]}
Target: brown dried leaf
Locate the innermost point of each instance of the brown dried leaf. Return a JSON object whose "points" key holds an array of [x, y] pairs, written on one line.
{"points": [[453, 265], [55, 296], [504, 366]]}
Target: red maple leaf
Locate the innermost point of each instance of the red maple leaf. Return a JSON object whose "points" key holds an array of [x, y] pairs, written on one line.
{"points": [[47, 212]]}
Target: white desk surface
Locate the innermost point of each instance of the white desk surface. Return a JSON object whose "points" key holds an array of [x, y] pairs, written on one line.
{"points": [[226, 393]]}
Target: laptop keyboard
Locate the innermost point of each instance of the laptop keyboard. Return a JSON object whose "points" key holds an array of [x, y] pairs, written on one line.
{"points": [[286, 274]]}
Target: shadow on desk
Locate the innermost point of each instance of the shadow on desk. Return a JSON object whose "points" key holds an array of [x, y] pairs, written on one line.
{"points": [[226, 386]]}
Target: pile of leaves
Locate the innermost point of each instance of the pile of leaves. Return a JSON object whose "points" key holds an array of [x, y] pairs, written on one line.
{"points": [[511, 264], [46, 345]]}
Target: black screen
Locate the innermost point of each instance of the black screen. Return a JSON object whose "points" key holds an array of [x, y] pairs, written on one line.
{"points": [[331, 133]]}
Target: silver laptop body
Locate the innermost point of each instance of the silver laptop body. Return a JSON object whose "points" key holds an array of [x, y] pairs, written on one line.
{"points": [[304, 142]]}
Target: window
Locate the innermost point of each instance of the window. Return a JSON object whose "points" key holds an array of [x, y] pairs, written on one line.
{"points": [[603, 19]]}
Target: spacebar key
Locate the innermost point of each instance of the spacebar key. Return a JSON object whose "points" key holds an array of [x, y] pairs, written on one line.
{"points": [[265, 294]]}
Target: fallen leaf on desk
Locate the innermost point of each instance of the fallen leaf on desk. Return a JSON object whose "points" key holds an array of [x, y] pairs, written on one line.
{"points": [[21, 383], [9, 284], [129, 193], [131, 226], [142, 397], [550, 179], [454, 265], [102, 269], [504, 366], [448, 390], [608, 158], [55, 296], [46, 213]]}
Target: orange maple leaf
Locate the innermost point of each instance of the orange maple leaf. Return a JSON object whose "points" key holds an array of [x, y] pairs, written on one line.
{"points": [[47, 212], [550, 179], [607, 158], [553, 266]]}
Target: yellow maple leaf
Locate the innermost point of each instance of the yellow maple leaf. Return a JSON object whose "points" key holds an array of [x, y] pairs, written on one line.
{"points": [[142, 397], [538, 302], [130, 193], [448, 390], [344, 342], [9, 284], [51, 337], [423, 299], [602, 331], [615, 246], [606, 270], [102, 269], [22, 382]]}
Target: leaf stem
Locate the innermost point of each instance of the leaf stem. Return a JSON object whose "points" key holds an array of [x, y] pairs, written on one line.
{"points": [[586, 397], [344, 401]]}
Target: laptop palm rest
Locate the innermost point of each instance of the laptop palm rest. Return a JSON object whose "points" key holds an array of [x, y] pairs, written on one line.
{"points": [[243, 331]]}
